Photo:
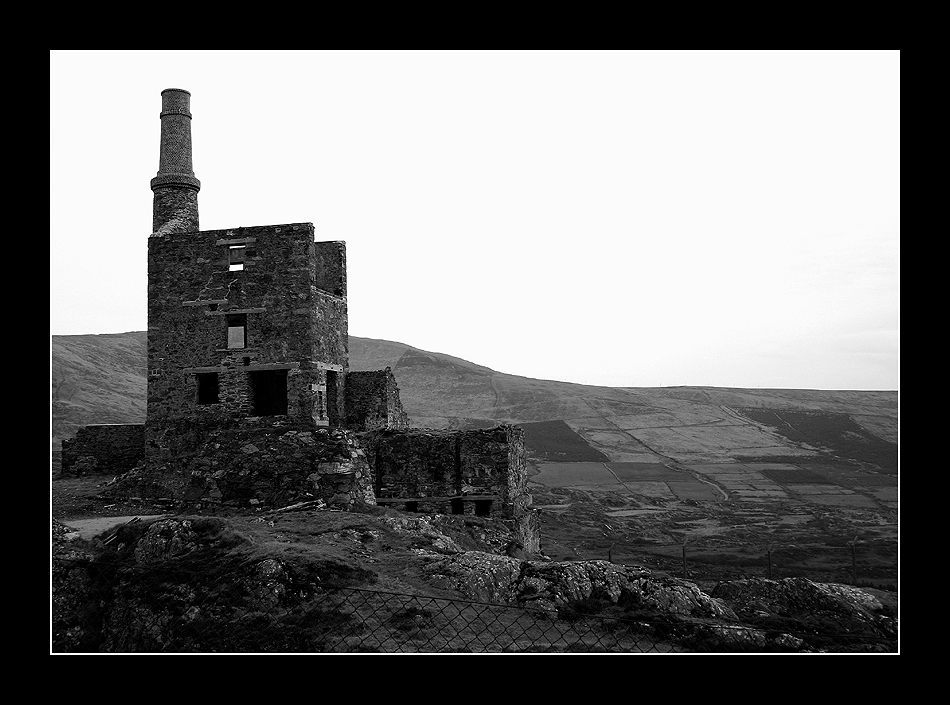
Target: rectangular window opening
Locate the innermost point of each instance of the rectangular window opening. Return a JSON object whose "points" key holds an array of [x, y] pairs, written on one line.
{"points": [[458, 506], [482, 507], [269, 392], [236, 255], [237, 330], [207, 388]]}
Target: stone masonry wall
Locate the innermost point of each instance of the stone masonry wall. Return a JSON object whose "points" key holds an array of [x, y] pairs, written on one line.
{"points": [[434, 467], [264, 279], [174, 210], [106, 449], [372, 401], [270, 464], [481, 472], [330, 269], [329, 329]]}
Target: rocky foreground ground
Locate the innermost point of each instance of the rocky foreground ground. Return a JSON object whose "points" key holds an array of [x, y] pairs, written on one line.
{"points": [[166, 584]]}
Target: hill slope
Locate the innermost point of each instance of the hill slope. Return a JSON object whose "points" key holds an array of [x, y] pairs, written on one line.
{"points": [[96, 379]]}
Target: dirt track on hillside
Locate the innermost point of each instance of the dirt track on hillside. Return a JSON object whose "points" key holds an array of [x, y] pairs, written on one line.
{"points": [[90, 528]]}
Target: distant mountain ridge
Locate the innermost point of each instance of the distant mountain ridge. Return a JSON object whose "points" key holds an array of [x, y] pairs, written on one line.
{"points": [[101, 379]]}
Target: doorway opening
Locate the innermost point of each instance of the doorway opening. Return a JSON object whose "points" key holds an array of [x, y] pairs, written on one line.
{"points": [[269, 392], [333, 408], [207, 387]]}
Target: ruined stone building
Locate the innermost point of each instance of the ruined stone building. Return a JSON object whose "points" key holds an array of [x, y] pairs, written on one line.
{"points": [[250, 400]]}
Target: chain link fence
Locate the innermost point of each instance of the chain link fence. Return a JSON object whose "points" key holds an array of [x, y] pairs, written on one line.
{"points": [[101, 607], [851, 563]]}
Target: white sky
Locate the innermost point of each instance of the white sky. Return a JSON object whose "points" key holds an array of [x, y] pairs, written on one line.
{"points": [[622, 218]]}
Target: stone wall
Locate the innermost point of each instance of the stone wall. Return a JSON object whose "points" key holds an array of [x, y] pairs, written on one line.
{"points": [[104, 449], [372, 401], [330, 267], [244, 314], [480, 472], [174, 210], [256, 463], [329, 328]]}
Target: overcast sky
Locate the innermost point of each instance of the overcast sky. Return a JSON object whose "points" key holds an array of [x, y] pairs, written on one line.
{"points": [[627, 218]]}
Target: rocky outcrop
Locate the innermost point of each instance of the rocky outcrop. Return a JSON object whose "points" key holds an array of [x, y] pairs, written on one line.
{"points": [[484, 577], [74, 625], [823, 607], [550, 586], [165, 539]]}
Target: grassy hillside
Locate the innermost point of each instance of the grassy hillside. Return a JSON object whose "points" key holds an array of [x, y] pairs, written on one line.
{"points": [[96, 379]]}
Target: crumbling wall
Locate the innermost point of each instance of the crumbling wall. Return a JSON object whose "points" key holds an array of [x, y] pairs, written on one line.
{"points": [[103, 449], [481, 472], [251, 463], [372, 401], [330, 267], [329, 334], [478, 471]]}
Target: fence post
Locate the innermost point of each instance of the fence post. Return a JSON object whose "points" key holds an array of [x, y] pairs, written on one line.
{"points": [[854, 564]]}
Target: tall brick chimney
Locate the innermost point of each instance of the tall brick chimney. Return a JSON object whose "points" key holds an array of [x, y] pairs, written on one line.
{"points": [[175, 188]]}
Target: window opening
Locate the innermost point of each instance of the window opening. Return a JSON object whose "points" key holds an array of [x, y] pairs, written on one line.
{"points": [[458, 506], [482, 507], [207, 387], [412, 506], [247, 361], [237, 330], [269, 392], [236, 255]]}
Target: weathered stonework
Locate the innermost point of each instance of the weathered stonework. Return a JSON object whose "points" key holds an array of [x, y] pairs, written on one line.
{"points": [[174, 210], [481, 472], [175, 188], [372, 401], [252, 464], [103, 449], [287, 328]]}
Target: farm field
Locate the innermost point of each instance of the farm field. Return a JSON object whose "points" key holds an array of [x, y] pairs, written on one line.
{"points": [[745, 514], [588, 511], [633, 479]]}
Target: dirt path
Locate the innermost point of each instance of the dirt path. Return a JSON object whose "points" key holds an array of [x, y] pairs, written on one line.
{"points": [[90, 528]]}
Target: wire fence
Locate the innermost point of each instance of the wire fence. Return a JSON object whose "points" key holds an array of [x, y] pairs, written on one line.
{"points": [[102, 607], [863, 565]]}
